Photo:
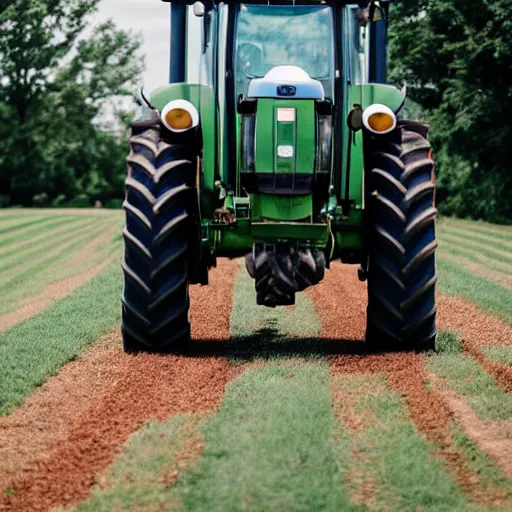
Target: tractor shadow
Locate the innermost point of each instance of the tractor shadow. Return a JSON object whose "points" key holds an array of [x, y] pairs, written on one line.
{"points": [[270, 344]]}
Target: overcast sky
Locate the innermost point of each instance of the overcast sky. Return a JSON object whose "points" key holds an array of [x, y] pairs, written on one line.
{"points": [[151, 18]]}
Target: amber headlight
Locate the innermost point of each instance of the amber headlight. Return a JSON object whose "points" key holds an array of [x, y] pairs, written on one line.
{"points": [[379, 119], [180, 116]]}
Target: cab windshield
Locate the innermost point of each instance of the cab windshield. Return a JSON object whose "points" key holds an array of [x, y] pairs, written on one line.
{"points": [[271, 35]]}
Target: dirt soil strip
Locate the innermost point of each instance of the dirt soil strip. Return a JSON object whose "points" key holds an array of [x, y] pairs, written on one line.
{"points": [[495, 438], [340, 301], [477, 330], [53, 446], [59, 290], [360, 484], [189, 452]]}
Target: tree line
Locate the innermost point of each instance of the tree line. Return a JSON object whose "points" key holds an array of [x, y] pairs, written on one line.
{"points": [[456, 58], [62, 138]]}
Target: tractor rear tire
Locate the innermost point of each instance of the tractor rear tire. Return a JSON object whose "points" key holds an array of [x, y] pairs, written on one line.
{"points": [[160, 189], [402, 274]]}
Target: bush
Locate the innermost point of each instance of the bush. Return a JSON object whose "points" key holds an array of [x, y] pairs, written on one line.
{"points": [[59, 201], [114, 204], [80, 201], [40, 200]]}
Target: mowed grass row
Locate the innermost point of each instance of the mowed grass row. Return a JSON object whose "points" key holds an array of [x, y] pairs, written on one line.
{"points": [[475, 262], [461, 373], [34, 350], [40, 237], [483, 228], [27, 232], [277, 444], [37, 256], [284, 438], [30, 252], [8, 225], [479, 242]]}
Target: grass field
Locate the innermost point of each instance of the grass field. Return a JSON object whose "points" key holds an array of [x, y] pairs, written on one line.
{"points": [[38, 249], [269, 409]]}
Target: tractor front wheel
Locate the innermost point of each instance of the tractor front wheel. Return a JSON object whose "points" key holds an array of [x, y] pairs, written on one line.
{"points": [[160, 202], [402, 274]]}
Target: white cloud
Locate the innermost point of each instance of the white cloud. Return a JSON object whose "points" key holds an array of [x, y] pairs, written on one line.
{"points": [[152, 19]]}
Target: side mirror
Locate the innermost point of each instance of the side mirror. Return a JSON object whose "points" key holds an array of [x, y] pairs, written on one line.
{"points": [[198, 9], [355, 118]]}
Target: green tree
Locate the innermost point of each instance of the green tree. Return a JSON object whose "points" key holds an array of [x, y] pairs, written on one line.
{"points": [[54, 82], [455, 56], [4, 4]]}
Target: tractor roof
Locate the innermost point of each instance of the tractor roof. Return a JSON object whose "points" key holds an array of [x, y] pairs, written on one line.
{"points": [[209, 3]]}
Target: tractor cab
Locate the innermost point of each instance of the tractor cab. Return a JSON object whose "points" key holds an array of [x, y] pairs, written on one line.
{"points": [[269, 36]]}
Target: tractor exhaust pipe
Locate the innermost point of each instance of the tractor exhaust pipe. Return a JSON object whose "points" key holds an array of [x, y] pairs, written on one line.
{"points": [[178, 41]]}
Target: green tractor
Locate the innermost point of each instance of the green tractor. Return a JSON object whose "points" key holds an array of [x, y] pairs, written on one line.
{"points": [[278, 140]]}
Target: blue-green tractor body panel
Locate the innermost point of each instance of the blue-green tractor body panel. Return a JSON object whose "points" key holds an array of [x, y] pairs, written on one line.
{"points": [[281, 208], [274, 218], [297, 131]]}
